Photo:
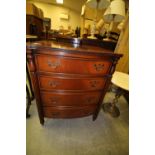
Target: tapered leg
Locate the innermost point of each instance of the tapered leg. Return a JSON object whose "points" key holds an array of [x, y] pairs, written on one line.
{"points": [[42, 121], [94, 117], [41, 116], [28, 102], [96, 113]]}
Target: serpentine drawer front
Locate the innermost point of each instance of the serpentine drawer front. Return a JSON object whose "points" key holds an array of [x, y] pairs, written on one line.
{"points": [[68, 112], [71, 65], [70, 99], [69, 82]]}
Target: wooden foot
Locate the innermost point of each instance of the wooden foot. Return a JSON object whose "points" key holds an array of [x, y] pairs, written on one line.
{"points": [[42, 121], [96, 113], [95, 117], [28, 115]]}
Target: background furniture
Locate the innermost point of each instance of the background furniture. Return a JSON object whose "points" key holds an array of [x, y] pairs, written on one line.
{"points": [[47, 26], [47, 23], [34, 20], [121, 81], [69, 81]]}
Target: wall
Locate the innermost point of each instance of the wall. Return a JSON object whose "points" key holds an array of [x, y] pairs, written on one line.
{"points": [[123, 48], [54, 11], [74, 4]]}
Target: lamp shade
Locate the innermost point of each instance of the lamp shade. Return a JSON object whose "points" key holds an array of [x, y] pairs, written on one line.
{"points": [[99, 4], [115, 12]]}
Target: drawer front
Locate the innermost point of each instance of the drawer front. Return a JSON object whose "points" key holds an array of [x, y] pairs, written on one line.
{"points": [[74, 66], [70, 99], [67, 83], [68, 112]]}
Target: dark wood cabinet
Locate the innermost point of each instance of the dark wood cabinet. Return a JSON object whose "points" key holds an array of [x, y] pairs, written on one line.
{"points": [[34, 25], [69, 81]]}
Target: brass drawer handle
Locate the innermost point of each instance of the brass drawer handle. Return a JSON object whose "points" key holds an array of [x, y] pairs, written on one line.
{"points": [[55, 114], [53, 65], [91, 100], [99, 67], [54, 100], [94, 83], [53, 84]]}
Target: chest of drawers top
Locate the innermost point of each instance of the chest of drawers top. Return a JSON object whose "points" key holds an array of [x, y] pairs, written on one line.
{"points": [[46, 47]]}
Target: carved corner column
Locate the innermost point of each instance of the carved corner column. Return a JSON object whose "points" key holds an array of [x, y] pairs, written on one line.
{"points": [[34, 80], [115, 61], [112, 69], [101, 98]]}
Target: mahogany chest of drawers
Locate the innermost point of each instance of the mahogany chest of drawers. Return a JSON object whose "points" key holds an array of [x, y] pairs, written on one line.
{"points": [[68, 81]]}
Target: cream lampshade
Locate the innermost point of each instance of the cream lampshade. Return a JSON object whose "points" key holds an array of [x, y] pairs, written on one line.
{"points": [[115, 12], [99, 4]]}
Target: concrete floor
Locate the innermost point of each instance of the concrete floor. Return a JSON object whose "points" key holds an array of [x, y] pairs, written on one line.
{"points": [[81, 136]]}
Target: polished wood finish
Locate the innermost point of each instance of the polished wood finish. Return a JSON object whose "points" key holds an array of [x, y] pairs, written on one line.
{"points": [[68, 112], [65, 65], [70, 98], [91, 42], [69, 81]]}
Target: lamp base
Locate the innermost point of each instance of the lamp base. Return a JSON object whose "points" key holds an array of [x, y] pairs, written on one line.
{"points": [[91, 37], [111, 109]]}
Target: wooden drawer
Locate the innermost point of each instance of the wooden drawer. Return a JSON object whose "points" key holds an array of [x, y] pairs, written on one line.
{"points": [[69, 83], [68, 112], [69, 99], [55, 64]]}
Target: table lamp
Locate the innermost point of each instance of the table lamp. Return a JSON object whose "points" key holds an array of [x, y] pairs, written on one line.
{"points": [[121, 25], [97, 5], [114, 13]]}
